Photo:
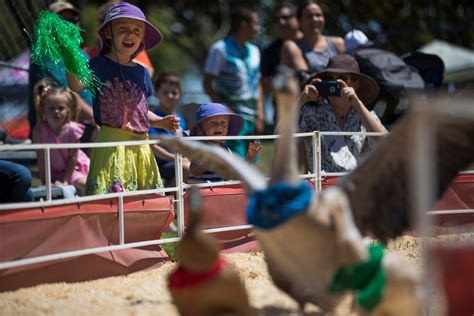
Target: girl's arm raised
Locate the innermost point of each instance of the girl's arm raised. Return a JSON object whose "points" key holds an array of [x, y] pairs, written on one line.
{"points": [[73, 82]]}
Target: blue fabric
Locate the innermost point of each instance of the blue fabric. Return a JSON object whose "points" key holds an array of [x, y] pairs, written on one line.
{"points": [[15, 183], [275, 205]]}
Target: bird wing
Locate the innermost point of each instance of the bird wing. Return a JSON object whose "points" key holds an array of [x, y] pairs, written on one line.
{"points": [[380, 189], [220, 161]]}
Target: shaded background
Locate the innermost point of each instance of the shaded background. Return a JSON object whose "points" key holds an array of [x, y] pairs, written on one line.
{"points": [[190, 27]]}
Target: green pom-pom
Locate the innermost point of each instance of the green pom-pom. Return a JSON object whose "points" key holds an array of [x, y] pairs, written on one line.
{"points": [[60, 40]]}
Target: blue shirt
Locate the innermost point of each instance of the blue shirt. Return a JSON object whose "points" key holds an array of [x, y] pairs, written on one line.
{"points": [[157, 131]]}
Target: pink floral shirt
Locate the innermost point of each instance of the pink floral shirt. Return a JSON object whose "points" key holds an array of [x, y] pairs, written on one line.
{"points": [[122, 101]]}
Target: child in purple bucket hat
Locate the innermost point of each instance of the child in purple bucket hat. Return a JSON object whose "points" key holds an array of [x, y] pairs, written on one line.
{"points": [[215, 119], [121, 108]]}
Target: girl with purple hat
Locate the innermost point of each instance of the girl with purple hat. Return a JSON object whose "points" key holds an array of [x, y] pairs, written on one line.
{"points": [[121, 108], [215, 119]]}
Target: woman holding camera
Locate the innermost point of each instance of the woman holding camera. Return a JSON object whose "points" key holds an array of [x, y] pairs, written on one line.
{"points": [[335, 99]]}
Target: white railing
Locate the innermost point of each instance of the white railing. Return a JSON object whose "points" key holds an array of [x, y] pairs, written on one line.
{"points": [[318, 176]]}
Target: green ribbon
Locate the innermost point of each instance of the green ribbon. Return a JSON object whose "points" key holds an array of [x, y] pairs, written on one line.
{"points": [[60, 41], [367, 277]]}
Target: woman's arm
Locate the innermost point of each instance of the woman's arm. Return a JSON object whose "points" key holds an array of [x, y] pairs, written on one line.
{"points": [[309, 94], [370, 123], [292, 57], [339, 44]]}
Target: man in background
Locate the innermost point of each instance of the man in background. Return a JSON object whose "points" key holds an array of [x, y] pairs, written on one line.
{"points": [[286, 26], [232, 75]]}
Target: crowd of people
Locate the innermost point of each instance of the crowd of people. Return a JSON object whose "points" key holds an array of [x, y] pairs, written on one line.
{"points": [[237, 77]]}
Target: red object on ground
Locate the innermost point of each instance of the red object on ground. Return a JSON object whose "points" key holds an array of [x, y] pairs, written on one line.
{"points": [[181, 278], [35, 232]]}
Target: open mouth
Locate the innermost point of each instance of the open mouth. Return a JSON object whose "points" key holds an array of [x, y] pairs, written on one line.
{"points": [[127, 45]]}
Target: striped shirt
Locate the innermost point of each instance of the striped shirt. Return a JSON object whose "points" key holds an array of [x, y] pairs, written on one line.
{"points": [[237, 72]]}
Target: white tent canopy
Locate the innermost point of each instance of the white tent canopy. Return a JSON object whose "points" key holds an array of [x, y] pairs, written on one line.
{"points": [[459, 61]]}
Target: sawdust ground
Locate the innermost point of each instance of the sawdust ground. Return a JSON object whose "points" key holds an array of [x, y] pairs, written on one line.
{"points": [[145, 292]]}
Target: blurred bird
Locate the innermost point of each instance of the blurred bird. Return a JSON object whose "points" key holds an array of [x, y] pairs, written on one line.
{"points": [[204, 284], [312, 244]]}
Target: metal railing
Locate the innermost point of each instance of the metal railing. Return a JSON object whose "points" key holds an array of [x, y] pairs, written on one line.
{"points": [[318, 176]]}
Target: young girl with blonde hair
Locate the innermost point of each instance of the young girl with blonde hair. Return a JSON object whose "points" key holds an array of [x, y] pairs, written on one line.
{"points": [[121, 107], [57, 111]]}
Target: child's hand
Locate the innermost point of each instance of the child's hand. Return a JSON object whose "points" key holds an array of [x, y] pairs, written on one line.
{"points": [[171, 123], [252, 151], [60, 183]]}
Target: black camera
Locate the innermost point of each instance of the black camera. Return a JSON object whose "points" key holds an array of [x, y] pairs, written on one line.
{"points": [[328, 88]]}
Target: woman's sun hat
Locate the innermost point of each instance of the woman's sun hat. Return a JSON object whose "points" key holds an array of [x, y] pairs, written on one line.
{"points": [[206, 110], [126, 10], [367, 91]]}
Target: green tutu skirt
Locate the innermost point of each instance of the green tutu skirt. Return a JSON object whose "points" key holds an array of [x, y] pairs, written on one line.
{"points": [[122, 168]]}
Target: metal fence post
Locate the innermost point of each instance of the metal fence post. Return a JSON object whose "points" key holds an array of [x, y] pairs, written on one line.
{"points": [[316, 142], [179, 182]]}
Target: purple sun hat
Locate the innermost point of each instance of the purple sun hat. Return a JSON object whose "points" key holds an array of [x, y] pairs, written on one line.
{"points": [[206, 110], [126, 10]]}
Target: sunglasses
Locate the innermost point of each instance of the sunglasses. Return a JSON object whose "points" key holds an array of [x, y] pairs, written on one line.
{"points": [[72, 19], [345, 78], [284, 17]]}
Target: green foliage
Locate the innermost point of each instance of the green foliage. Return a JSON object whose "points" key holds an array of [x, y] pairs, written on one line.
{"points": [[190, 27], [170, 248]]}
